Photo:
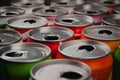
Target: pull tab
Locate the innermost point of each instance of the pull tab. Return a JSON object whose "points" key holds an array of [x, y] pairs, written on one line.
{"points": [[47, 2], [92, 12], [27, 4], [50, 10], [108, 2], [71, 75], [51, 37], [30, 21], [105, 32], [62, 3], [88, 48]]}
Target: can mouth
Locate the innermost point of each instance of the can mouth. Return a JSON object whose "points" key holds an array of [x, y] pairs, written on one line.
{"points": [[27, 4], [86, 47], [92, 12], [62, 3], [108, 2], [51, 37], [30, 21], [105, 32], [71, 75], [1, 40], [50, 10]]}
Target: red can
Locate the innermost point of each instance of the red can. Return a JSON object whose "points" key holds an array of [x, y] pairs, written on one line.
{"points": [[74, 22], [95, 11], [94, 53], [50, 36]]}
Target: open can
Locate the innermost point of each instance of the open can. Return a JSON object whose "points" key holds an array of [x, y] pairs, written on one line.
{"points": [[7, 12], [26, 22], [62, 69], [27, 5], [95, 11], [112, 19], [68, 4], [90, 52], [74, 22], [22, 57], [50, 36]]}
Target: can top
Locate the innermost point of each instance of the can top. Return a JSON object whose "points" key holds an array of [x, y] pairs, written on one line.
{"points": [[63, 70], [49, 11], [10, 11], [90, 9], [24, 52], [74, 20], [27, 3], [50, 34], [84, 49], [107, 2], [26, 22], [68, 3], [117, 9], [102, 32], [112, 19], [9, 37]]}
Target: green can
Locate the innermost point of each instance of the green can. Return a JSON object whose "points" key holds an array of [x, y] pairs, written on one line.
{"points": [[19, 58], [116, 65], [8, 12]]}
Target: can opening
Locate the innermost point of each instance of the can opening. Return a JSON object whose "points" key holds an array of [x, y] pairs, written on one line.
{"points": [[86, 47], [92, 12], [108, 2], [50, 10], [1, 40], [11, 13], [62, 3], [14, 54], [71, 75], [105, 32], [27, 4], [67, 20], [51, 37], [30, 21]]}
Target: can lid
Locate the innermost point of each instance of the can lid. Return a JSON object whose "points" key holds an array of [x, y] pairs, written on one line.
{"points": [[84, 49], [107, 2], [90, 9], [27, 3], [24, 52], [50, 34], [49, 11], [10, 11], [101, 32], [74, 20], [9, 37], [68, 3], [26, 22], [112, 19], [63, 70]]}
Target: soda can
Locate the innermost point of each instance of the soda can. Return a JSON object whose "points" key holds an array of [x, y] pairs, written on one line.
{"points": [[112, 19], [62, 69], [107, 34], [95, 11], [74, 22], [7, 12], [67, 4], [22, 57], [27, 5], [90, 52], [50, 36]]}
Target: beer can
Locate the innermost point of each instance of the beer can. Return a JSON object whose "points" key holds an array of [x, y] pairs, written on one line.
{"points": [[50, 36], [62, 69], [27, 5], [19, 58], [93, 53], [74, 22], [95, 11], [7, 12], [112, 19], [68, 4], [107, 34], [26, 22]]}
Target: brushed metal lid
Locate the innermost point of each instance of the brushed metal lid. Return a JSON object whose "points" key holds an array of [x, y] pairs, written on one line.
{"points": [[68, 3], [112, 19], [24, 52], [101, 32], [26, 22], [61, 70], [50, 34], [90, 9], [84, 49], [74, 20], [9, 37], [49, 11], [10, 11]]}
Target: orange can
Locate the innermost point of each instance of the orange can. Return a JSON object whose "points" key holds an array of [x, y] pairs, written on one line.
{"points": [[94, 53], [107, 34]]}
